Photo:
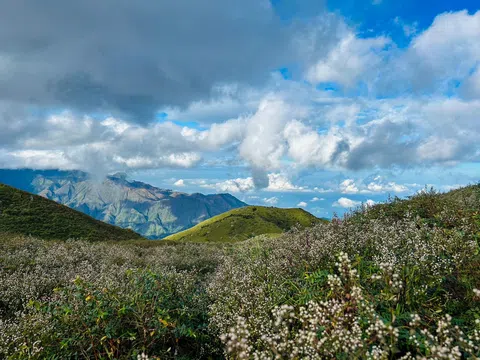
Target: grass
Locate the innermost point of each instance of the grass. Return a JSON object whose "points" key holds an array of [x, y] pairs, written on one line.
{"points": [[27, 214], [244, 223]]}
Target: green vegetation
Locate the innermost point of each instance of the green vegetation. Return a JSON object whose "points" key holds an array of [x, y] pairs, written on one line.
{"points": [[244, 223], [104, 300], [27, 214], [395, 281], [428, 205]]}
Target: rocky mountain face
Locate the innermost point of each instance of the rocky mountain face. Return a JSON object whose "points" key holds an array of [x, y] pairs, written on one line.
{"points": [[150, 211]]}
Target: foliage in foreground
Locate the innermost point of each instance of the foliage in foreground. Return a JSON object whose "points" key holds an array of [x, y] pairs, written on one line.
{"points": [[102, 300], [370, 286], [401, 281]]}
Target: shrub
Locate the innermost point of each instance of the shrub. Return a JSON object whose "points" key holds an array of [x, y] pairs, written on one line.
{"points": [[399, 280], [291, 297], [104, 300]]}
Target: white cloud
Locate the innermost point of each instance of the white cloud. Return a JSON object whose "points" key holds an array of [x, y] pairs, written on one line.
{"points": [[184, 160], [346, 203], [315, 199], [277, 183], [348, 187], [349, 60], [272, 201], [282, 126], [408, 29], [40, 159], [322, 190], [308, 148], [377, 185], [263, 146], [449, 47], [302, 204], [386, 187], [179, 183], [370, 202], [471, 87], [233, 185]]}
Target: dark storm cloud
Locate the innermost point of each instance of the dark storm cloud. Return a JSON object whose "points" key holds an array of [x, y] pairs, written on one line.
{"points": [[132, 57]]}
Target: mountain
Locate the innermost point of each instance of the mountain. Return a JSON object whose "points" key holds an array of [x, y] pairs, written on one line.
{"points": [[150, 211], [28, 214], [245, 223]]}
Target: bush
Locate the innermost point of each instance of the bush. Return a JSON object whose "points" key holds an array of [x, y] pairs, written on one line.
{"points": [[161, 313], [400, 288], [399, 280], [78, 299]]}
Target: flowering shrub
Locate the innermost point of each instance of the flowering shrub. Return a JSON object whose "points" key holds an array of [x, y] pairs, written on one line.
{"points": [[368, 286], [78, 299], [401, 280], [347, 324]]}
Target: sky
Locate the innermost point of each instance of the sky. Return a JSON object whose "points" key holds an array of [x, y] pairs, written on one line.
{"points": [[324, 105]]}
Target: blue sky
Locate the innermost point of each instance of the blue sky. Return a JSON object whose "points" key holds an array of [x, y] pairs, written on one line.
{"points": [[319, 104]]}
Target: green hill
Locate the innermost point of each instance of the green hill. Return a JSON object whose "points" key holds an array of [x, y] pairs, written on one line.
{"points": [[429, 205], [244, 223], [28, 214]]}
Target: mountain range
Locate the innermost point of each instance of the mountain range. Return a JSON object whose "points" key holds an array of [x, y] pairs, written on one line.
{"points": [[148, 210]]}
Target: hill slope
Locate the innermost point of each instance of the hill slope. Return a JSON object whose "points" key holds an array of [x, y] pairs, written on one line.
{"points": [[244, 223], [148, 210], [429, 205], [27, 214]]}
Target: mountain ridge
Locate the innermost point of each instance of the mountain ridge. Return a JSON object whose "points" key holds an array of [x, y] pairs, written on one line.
{"points": [[28, 214], [146, 209]]}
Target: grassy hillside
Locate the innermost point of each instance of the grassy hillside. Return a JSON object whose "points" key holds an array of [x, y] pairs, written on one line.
{"points": [[434, 208], [244, 223], [27, 214]]}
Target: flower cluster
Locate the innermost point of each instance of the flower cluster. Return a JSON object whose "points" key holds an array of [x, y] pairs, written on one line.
{"points": [[365, 287], [345, 323]]}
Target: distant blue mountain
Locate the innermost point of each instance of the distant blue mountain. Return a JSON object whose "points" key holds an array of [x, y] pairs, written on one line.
{"points": [[150, 211]]}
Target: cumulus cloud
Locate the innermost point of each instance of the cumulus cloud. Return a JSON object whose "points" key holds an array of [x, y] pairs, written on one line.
{"points": [[279, 182], [349, 60], [315, 199], [69, 141], [347, 203], [386, 187], [302, 204], [447, 50], [125, 57], [348, 187], [471, 87], [179, 183], [370, 202], [377, 185], [276, 183], [272, 201], [273, 126], [263, 146], [233, 185]]}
